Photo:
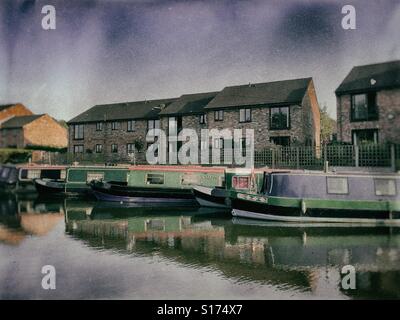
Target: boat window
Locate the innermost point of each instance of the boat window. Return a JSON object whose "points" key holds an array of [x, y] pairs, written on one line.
{"points": [[33, 174], [385, 187], [155, 225], [155, 178], [94, 176], [24, 174], [5, 172], [190, 179], [337, 185], [239, 182]]}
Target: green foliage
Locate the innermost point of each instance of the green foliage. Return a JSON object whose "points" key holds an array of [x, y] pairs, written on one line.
{"points": [[14, 155], [44, 148], [139, 145], [328, 125]]}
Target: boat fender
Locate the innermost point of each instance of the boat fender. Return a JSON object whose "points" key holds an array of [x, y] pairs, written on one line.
{"points": [[303, 206]]}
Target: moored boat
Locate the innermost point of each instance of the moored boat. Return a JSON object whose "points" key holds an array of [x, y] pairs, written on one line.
{"points": [[322, 197], [121, 192], [158, 184], [212, 197]]}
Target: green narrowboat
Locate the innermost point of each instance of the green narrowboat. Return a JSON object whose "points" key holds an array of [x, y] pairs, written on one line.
{"points": [[159, 184], [320, 197]]}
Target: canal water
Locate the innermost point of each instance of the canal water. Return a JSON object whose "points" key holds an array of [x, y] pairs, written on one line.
{"points": [[101, 251]]}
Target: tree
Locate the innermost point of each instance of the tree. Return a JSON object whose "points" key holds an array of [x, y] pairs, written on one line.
{"points": [[328, 125]]}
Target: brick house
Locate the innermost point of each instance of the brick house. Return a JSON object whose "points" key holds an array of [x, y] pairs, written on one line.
{"points": [[8, 111], [32, 131], [188, 111], [368, 104], [113, 130], [282, 112]]}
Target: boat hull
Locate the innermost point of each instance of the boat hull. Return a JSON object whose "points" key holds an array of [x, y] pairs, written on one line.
{"points": [[124, 194], [265, 211], [211, 197]]}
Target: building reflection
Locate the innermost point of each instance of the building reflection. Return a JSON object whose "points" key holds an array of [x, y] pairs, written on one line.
{"points": [[21, 218]]}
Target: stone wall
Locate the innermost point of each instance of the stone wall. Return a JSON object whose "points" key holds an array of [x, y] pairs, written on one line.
{"points": [[12, 138]]}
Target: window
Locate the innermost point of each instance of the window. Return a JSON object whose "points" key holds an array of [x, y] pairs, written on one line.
{"points": [[78, 131], [219, 143], [153, 124], [114, 148], [243, 144], [131, 125], [337, 185], [94, 176], [363, 107], [245, 115], [114, 125], [130, 148], [78, 148], [155, 178], [219, 115], [279, 118], [240, 182], [364, 136], [99, 148], [99, 126], [280, 141], [385, 187], [203, 119]]}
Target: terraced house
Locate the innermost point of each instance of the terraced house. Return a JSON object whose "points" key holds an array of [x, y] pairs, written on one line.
{"points": [[114, 131], [282, 113], [368, 104]]}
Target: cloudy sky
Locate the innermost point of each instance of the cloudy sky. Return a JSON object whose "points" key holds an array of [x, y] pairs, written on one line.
{"points": [[105, 51]]}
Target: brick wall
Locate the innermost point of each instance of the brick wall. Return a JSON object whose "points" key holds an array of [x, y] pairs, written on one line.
{"points": [[107, 137], [11, 138], [45, 131], [388, 102]]}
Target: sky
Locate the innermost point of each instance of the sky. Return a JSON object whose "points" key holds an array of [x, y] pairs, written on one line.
{"points": [[106, 51]]}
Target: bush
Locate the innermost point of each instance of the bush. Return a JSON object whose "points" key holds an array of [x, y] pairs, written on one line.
{"points": [[14, 155]]}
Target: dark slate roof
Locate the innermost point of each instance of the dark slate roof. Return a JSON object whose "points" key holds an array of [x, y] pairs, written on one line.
{"points": [[19, 122], [120, 111], [6, 106], [371, 77], [269, 93], [189, 104]]}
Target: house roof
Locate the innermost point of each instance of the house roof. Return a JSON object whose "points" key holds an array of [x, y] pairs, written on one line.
{"points": [[189, 104], [146, 109], [6, 106], [268, 93], [19, 121], [371, 77]]}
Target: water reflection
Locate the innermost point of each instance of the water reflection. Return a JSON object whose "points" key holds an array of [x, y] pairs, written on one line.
{"points": [[21, 218], [292, 259]]}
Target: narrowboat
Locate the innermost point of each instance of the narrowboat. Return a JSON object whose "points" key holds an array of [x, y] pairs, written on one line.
{"points": [[158, 184], [20, 178], [77, 179], [320, 197], [244, 179]]}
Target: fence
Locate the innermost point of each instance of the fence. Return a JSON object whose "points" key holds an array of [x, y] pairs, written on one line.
{"points": [[365, 156], [370, 155]]}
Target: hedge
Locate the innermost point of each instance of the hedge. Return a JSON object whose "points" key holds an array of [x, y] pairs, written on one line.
{"points": [[14, 155]]}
